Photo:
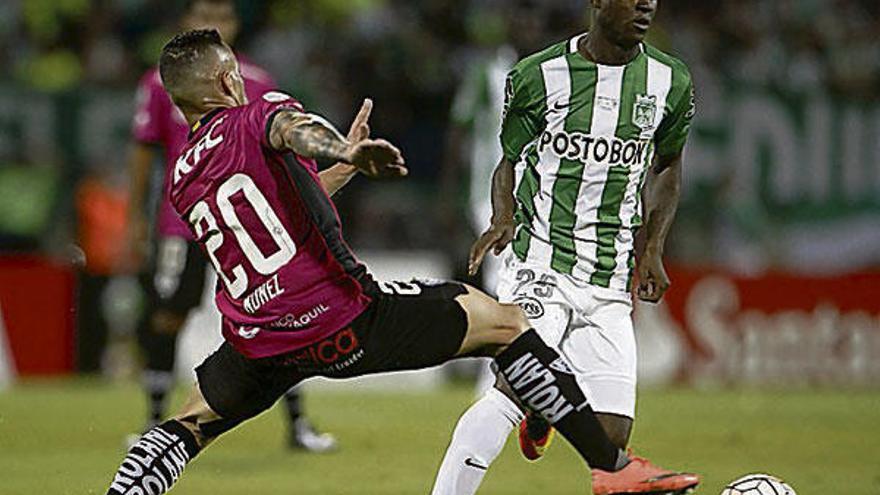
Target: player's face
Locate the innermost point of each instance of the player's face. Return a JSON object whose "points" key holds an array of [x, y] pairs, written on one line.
{"points": [[206, 15], [626, 21]]}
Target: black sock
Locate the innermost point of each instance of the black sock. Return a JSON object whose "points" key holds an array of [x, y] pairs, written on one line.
{"points": [[293, 404], [157, 385], [156, 461], [160, 349], [542, 380]]}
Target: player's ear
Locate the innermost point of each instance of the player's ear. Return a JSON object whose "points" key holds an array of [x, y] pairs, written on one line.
{"points": [[232, 86]]}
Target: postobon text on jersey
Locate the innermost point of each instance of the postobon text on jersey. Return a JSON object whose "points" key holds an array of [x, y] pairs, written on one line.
{"points": [[579, 146]]}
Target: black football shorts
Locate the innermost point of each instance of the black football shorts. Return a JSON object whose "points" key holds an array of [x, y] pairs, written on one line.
{"points": [[407, 326]]}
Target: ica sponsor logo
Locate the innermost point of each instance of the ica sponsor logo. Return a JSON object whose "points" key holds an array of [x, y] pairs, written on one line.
{"points": [[335, 353]]}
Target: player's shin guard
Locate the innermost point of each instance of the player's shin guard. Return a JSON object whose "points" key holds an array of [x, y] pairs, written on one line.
{"points": [[156, 461], [542, 380]]}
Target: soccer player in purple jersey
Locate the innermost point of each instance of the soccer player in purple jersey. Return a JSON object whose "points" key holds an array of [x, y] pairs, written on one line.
{"points": [[296, 302], [174, 274]]}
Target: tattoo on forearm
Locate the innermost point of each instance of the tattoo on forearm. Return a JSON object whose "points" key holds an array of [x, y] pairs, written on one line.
{"points": [[316, 141], [309, 136]]}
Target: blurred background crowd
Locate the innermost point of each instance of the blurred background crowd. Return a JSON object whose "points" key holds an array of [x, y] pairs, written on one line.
{"points": [[782, 172], [410, 56]]}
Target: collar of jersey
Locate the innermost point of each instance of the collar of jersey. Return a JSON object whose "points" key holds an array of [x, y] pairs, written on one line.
{"points": [[204, 121], [573, 48]]}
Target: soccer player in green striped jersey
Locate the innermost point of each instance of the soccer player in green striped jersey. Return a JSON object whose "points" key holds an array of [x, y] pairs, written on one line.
{"points": [[591, 126]]}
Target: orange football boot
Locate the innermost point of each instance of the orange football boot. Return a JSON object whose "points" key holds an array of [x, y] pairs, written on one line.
{"points": [[535, 435], [640, 476]]}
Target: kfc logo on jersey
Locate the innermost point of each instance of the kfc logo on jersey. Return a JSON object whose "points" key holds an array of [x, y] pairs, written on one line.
{"points": [[183, 165]]}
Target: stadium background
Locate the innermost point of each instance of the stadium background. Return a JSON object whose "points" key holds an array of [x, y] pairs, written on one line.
{"points": [[765, 356]]}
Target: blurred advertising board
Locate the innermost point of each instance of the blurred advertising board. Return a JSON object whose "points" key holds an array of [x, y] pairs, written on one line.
{"points": [[36, 306], [769, 329]]}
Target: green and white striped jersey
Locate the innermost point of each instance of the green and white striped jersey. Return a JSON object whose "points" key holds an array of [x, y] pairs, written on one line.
{"points": [[582, 137]]}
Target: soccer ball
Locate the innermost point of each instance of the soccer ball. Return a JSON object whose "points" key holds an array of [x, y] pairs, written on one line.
{"points": [[758, 484]]}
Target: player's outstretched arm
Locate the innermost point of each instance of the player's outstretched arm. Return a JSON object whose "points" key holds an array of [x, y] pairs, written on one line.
{"points": [[311, 136], [661, 201], [501, 231]]}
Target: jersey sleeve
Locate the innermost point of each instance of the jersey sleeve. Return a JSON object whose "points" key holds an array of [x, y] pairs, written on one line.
{"points": [[264, 109], [152, 106], [523, 115], [676, 125]]}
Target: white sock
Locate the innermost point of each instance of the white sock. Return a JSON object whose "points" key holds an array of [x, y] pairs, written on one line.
{"points": [[478, 439]]}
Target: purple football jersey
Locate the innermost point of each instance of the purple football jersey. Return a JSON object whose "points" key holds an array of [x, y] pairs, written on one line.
{"points": [[286, 277], [158, 121]]}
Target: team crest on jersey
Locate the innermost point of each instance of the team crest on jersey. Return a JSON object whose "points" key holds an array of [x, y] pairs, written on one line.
{"points": [[645, 112]]}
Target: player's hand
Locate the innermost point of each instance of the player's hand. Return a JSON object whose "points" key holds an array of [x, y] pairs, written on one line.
{"points": [[653, 281], [360, 127], [377, 158], [359, 131], [496, 238]]}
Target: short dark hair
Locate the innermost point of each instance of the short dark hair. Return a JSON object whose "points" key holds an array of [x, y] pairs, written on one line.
{"points": [[176, 64]]}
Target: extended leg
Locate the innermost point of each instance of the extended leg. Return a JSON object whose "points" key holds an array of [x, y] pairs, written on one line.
{"points": [[156, 461], [231, 389], [538, 376]]}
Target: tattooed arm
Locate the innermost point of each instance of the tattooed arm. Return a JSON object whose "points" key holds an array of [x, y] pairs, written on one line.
{"points": [[311, 136]]}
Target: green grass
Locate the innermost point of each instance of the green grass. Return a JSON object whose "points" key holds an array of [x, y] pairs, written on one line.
{"points": [[65, 437]]}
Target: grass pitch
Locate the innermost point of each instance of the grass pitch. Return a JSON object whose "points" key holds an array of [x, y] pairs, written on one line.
{"points": [[65, 437]]}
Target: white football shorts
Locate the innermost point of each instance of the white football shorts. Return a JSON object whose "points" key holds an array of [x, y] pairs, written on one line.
{"points": [[591, 326]]}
